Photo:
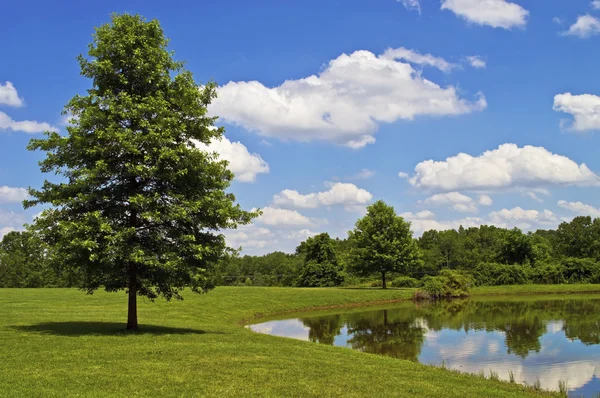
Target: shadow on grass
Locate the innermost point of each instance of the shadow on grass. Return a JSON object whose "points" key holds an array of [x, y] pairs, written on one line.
{"points": [[101, 329]]}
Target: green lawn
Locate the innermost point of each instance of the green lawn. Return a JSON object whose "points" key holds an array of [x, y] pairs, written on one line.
{"points": [[61, 342]]}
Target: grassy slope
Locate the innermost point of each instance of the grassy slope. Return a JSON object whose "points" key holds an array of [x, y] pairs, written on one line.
{"points": [[60, 342]]}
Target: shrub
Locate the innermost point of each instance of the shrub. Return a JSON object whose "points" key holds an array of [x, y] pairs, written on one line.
{"points": [[493, 274], [323, 274], [248, 282], [447, 284], [547, 274], [406, 281], [376, 283]]}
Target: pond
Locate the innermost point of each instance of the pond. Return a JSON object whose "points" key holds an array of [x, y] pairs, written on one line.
{"points": [[538, 340]]}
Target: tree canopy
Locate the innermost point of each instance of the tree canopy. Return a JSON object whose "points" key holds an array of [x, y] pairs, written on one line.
{"points": [[382, 243], [139, 206]]}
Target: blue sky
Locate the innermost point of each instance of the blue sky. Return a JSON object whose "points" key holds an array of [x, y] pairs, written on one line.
{"points": [[454, 111]]}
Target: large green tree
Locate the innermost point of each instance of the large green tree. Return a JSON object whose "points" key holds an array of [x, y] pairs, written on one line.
{"points": [[321, 268], [382, 243], [140, 207]]}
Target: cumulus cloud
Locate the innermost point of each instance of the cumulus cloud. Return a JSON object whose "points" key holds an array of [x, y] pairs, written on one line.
{"points": [[596, 4], [580, 208], [414, 57], [426, 221], [485, 200], [339, 194], [457, 201], [506, 167], [25, 126], [344, 104], [302, 235], [494, 13], [412, 5], [9, 95], [476, 61], [584, 108], [10, 221], [283, 217], [242, 163], [12, 195], [585, 26], [249, 237], [524, 219]]}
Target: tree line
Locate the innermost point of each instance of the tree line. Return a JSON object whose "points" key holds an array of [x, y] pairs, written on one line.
{"points": [[379, 250]]}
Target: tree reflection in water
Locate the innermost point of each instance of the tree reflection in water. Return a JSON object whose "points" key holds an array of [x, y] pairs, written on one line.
{"points": [[400, 332]]}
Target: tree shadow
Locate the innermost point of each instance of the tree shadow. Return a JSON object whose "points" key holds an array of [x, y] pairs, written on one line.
{"points": [[101, 329]]}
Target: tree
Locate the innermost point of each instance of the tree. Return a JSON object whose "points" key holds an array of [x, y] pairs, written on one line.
{"points": [[24, 261], [321, 268], [140, 207], [382, 243], [517, 248]]}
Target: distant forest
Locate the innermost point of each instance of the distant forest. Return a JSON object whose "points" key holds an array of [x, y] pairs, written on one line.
{"points": [[491, 255]]}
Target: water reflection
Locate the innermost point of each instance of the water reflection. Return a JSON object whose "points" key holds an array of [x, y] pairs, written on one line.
{"points": [[535, 339]]}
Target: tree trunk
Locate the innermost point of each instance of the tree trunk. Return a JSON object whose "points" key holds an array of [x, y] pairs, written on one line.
{"points": [[383, 280], [132, 319]]}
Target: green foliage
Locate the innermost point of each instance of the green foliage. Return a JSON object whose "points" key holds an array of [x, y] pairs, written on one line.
{"points": [[406, 281], [24, 261], [248, 282], [321, 267], [139, 203], [382, 243], [516, 248], [448, 284], [501, 274]]}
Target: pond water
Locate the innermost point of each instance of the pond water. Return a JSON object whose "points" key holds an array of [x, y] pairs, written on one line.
{"points": [[547, 339]]}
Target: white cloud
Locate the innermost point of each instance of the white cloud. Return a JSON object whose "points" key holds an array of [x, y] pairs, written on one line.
{"points": [[476, 61], [580, 208], [10, 221], [596, 4], [485, 200], [557, 21], [403, 175], [302, 235], [506, 167], [9, 95], [25, 126], [584, 108], [362, 175], [459, 202], [426, 220], [413, 57], [242, 163], [339, 194], [249, 237], [585, 26], [283, 217], [12, 195], [524, 219], [411, 5], [495, 13], [344, 104]]}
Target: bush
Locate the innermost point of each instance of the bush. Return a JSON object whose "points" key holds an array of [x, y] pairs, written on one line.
{"points": [[248, 282], [376, 283], [447, 284], [323, 274], [493, 274], [406, 281], [547, 274]]}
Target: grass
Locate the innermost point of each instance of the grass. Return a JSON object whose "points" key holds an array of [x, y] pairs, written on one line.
{"points": [[62, 343]]}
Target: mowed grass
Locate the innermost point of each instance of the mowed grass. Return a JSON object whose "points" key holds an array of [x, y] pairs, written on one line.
{"points": [[64, 343]]}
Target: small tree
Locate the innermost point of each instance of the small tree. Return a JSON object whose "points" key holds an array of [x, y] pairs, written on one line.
{"points": [[382, 243], [140, 207], [321, 268]]}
